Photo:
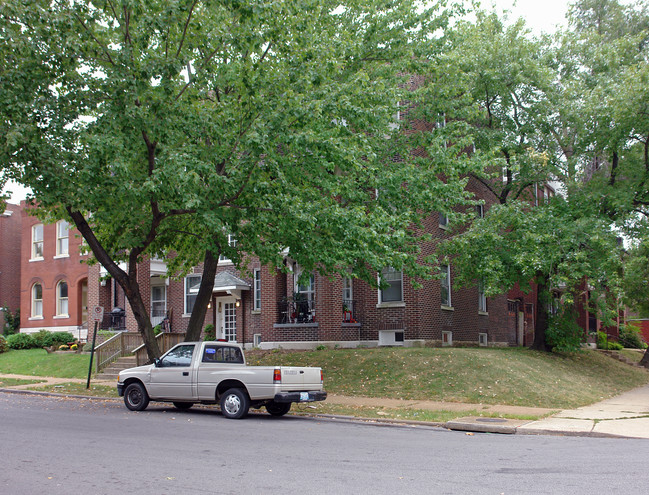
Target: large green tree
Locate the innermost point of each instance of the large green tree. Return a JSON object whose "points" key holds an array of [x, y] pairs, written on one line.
{"points": [[164, 127]]}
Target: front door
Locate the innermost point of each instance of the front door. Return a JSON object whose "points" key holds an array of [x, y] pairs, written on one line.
{"points": [[226, 319]]}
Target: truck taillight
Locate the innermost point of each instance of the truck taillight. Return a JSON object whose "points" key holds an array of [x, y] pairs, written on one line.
{"points": [[277, 375], [321, 377]]}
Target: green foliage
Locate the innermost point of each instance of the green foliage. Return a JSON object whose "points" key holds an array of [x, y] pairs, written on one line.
{"points": [[210, 332], [21, 341], [604, 343], [4, 346], [43, 338], [12, 321], [60, 338], [563, 333], [157, 330], [631, 337]]}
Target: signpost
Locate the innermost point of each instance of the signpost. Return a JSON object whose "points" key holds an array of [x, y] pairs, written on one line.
{"points": [[97, 316]]}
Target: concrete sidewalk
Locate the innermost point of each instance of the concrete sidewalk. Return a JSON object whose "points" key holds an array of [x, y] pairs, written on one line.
{"points": [[626, 415]]}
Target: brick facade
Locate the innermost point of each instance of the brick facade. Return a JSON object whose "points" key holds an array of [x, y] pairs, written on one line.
{"points": [[10, 232]]}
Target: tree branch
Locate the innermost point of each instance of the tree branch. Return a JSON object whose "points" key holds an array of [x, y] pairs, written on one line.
{"points": [[189, 17]]}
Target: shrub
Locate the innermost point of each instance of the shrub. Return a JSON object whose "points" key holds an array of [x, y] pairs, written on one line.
{"points": [[12, 321], [602, 340], [563, 333], [43, 338], [157, 330], [630, 337], [615, 346], [21, 341], [210, 332], [59, 338], [4, 347]]}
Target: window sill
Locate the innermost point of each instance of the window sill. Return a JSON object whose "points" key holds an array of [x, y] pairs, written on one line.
{"points": [[391, 304], [187, 315], [34, 318], [448, 308], [36, 259], [255, 312], [60, 256], [483, 313], [60, 317], [443, 227]]}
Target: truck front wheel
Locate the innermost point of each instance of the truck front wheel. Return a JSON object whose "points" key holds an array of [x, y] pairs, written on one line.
{"points": [[278, 408], [235, 403], [135, 397]]}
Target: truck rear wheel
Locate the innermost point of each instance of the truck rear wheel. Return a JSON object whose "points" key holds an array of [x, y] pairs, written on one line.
{"points": [[135, 397], [235, 403], [278, 408]]}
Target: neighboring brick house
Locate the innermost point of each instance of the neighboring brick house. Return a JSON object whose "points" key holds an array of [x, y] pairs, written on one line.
{"points": [[54, 281], [10, 232]]}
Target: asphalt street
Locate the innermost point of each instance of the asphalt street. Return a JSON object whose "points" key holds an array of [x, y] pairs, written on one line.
{"points": [[66, 446]]}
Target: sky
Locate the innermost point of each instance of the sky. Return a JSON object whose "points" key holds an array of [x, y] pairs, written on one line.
{"points": [[540, 16]]}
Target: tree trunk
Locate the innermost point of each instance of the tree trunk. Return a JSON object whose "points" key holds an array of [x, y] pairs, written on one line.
{"points": [[127, 281], [202, 298], [645, 359], [542, 308]]}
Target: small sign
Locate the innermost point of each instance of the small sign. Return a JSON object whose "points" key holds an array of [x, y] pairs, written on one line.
{"points": [[97, 313]]}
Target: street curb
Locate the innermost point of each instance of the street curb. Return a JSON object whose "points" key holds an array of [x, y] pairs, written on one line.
{"points": [[455, 425]]}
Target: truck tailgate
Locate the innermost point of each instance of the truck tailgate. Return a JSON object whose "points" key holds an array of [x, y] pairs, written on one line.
{"points": [[300, 378]]}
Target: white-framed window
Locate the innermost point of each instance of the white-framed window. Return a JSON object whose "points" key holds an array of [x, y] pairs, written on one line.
{"points": [[445, 286], [62, 298], [62, 238], [443, 220], [479, 211], [37, 301], [37, 241], [482, 298], [232, 242], [158, 303], [306, 286], [256, 305], [394, 291], [192, 284], [348, 291]]}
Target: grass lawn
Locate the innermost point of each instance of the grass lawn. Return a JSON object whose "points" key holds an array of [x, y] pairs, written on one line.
{"points": [[38, 362], [513, 376], [12, 382]]}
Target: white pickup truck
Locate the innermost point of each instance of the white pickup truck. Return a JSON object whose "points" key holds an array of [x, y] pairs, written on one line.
{"points": [[216, 373]]}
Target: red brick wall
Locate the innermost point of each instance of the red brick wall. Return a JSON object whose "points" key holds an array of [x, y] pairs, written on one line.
{"points": [[10, 246], [49, 271]]}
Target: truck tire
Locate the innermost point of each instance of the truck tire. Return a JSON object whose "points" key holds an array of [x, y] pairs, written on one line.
{"points": [[235, 403], [135, 397], [183, 406], [278, 408]]}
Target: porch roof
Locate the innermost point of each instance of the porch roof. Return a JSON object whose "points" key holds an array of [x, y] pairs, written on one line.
{"points": [[225, 282]]}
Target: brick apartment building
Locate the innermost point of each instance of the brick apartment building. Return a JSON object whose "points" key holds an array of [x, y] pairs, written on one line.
{"points": [[53, 279], [262, 306], [10, 232]]}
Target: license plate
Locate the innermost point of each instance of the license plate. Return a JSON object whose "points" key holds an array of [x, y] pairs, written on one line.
{"points": [[304, 396]]}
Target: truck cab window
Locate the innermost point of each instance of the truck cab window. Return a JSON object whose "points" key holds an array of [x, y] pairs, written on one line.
{"points": [[178, 356]]}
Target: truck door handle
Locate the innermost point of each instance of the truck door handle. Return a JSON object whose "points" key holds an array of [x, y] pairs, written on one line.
{"points": [[185, 373], [301, 372]]}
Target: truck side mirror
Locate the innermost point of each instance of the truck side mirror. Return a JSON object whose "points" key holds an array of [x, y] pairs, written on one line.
{"points": [[157, 363]]}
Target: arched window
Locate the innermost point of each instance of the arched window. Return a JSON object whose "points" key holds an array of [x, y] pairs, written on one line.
{"points": [[37, 301], [62, 298]]}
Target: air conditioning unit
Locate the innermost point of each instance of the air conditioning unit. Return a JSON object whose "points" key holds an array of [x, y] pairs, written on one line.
{"points": [[256, 339], [391, 337]]}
